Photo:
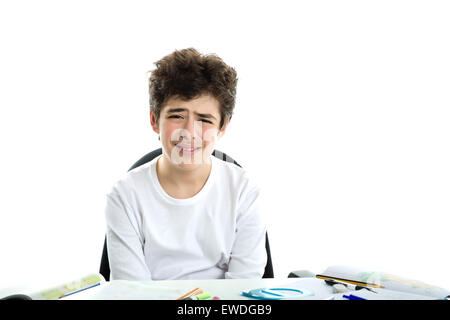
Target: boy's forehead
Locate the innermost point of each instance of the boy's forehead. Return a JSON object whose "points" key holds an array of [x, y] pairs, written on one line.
{"points": [[203, 104]]}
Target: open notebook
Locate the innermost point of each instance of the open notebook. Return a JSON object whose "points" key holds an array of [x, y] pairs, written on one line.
{"points": [[62, 290], [386, 285]]}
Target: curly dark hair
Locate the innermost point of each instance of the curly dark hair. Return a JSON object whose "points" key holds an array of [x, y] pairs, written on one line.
{"points": [[187, 74]]}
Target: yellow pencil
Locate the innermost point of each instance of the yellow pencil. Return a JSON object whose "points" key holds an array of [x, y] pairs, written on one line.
{"points": [[358, 283]]}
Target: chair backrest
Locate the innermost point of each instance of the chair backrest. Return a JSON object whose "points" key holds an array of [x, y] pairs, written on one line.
{"points": [[104, 264]]}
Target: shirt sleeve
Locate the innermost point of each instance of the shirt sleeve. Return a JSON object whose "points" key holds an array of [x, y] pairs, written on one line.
{"points": [[248, 256], [124, 242]]}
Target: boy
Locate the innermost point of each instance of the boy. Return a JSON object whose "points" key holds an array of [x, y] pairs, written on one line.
{"points": [[187, 214]]}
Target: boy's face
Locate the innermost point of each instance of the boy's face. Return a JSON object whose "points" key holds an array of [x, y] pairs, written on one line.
{"points": [[189, 130]]}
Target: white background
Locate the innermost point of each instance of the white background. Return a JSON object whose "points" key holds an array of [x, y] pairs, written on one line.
{"points": [[342, 117]]}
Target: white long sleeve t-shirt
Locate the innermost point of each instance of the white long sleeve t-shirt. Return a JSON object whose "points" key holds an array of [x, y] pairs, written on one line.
{"points": [[217, 233]]}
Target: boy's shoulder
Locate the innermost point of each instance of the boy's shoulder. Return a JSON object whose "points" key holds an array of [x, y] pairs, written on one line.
{"points": [[132, 179], [228, 166], [230, 172]]}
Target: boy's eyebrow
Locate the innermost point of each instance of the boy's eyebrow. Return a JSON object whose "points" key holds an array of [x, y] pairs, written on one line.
{"points": [[176, 110], [202, 115], [205, 115]]}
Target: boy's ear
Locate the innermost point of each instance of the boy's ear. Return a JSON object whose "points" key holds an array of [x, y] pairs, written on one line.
{"points": [[224, 128], [153, 122]]}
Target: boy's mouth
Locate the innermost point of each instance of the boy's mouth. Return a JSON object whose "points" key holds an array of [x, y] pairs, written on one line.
{"points": [[187, 148]]}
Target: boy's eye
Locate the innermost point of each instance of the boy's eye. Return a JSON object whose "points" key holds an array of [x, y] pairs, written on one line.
{"points": [[177, 116]]}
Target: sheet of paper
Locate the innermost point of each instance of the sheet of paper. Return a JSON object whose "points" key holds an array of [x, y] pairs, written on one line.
{"points": [[132, 290]]}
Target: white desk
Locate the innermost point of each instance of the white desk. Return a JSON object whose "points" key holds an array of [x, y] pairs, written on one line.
{"points": [[224, 289], [229, 289]]}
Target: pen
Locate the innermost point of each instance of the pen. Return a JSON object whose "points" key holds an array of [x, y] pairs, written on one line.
{"points": [[352, 297]]}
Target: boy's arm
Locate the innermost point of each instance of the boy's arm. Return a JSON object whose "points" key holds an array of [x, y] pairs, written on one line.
{"points": [[125, 246], [248, 256]]}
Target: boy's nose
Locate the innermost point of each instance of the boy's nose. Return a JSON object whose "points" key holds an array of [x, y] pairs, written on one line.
{"points": [[194, 128]]}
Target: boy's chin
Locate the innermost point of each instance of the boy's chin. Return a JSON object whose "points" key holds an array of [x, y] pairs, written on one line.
{"points": [[190, 162], [188, 166]]}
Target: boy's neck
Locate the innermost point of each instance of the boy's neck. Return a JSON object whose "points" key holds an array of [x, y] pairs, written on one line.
{"points": [[181, 183]]}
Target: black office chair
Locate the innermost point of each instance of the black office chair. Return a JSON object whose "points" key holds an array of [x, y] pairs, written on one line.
{"points": [[104, 264]]}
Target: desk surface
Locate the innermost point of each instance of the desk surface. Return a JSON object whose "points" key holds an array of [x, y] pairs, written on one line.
{"points": [[225, 289], [229, 289]]}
